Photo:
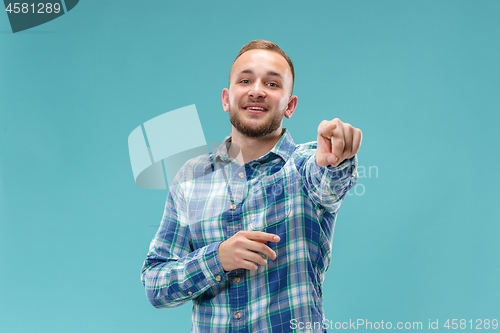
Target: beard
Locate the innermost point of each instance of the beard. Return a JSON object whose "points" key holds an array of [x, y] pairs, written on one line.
{"points": [[256, 131]]}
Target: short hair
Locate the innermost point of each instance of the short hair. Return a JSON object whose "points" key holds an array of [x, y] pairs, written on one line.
{"points": [[260, 44]]}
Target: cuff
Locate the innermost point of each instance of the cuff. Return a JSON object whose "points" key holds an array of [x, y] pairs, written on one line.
{"points": [[213, 270], [347, 168]]}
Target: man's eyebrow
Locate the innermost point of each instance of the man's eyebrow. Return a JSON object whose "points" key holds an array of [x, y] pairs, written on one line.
{"points": [[246, 71], [270, 73]]}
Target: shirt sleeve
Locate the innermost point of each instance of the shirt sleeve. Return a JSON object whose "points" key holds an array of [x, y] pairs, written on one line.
{"points": [[327, 186], [172, 273]]}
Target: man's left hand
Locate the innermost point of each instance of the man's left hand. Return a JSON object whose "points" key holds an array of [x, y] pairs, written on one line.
{"points": [[337, 142]]}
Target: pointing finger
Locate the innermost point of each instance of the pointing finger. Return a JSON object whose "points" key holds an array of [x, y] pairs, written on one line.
{"points": [[338, 144], [348, 137], [326, 128], [356, 142]]}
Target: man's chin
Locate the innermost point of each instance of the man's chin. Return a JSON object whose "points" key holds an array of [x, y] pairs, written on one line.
{"points": [[255, 131], [254, 126]]}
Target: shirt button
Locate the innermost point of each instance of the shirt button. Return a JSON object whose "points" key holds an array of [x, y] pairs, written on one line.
{"points": [[237, 279], [237, 315], [233, 207], [241, 175], [218, 278], [190, 293]]}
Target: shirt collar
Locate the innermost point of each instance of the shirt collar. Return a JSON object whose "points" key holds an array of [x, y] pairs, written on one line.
{"points": [[283, 148]]}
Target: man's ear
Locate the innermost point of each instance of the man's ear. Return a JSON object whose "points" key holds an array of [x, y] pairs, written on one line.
{"points": [[292, 104], [225, 99]]}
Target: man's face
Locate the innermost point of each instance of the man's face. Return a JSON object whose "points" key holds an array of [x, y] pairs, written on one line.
{"points": [[259, 93]]}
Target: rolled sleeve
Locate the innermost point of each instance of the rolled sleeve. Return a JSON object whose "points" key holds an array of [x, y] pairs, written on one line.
{"points": [[327, 186]]}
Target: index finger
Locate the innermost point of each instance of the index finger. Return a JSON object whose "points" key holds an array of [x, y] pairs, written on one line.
{"points": [[338, 144], [262, 236]]}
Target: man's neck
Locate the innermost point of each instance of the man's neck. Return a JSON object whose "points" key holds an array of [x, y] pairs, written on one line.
{"points": [[245, 149]]}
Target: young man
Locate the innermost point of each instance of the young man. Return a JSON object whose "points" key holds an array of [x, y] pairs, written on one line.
{"points": [[247, 229]]}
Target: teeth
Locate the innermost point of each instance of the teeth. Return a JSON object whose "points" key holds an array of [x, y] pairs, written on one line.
{"points": [[255, 108]]}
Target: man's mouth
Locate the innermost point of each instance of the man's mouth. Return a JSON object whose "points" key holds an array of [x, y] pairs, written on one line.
{"points": [[255, 109]]}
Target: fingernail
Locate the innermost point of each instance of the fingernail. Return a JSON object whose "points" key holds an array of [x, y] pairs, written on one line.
{"points": [[276, 238], [332, 159]]}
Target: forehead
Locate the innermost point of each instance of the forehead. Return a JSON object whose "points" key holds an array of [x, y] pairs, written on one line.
{"points": [[261, 62]]}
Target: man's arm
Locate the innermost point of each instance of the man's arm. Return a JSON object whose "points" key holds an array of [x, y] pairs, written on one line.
{"points": [[331, 172], [327, 186], [172, 273]]}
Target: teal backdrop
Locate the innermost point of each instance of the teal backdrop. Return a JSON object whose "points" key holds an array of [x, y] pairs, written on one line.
{"points": [[417, 240]]}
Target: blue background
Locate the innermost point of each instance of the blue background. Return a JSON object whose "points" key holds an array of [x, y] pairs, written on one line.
{"points": [[420, 78]]}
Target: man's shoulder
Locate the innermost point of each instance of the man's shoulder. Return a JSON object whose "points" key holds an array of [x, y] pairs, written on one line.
{"points": [[312, 145], [305, 149], [201, 165], [303, 152], [195, 167]]}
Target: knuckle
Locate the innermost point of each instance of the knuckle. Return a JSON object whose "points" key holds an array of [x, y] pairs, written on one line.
{"points": [[339, 144]]}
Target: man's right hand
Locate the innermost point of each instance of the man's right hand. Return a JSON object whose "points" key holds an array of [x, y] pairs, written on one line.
{"points": [[242, 250]]}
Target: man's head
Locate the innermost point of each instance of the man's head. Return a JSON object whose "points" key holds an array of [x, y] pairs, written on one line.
{"points": [[261, 44], [260, 89]]}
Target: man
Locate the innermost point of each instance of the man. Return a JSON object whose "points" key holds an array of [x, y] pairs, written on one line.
{"points": [[247, 229]]}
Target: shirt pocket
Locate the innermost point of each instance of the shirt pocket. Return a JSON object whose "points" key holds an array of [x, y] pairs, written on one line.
{"points": [[268, 201]]}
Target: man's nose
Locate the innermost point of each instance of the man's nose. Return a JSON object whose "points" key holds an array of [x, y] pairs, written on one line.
{"points": [[257, 90]]}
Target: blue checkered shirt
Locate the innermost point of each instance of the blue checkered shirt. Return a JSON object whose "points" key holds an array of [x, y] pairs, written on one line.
{"points": [[284, 192]]}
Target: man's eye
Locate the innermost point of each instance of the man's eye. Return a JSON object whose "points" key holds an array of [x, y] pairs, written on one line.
{"points": [[272, 84], [245, 81]]}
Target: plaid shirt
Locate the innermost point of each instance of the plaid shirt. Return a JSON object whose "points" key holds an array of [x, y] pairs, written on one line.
{"points": [[284, 192]]}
